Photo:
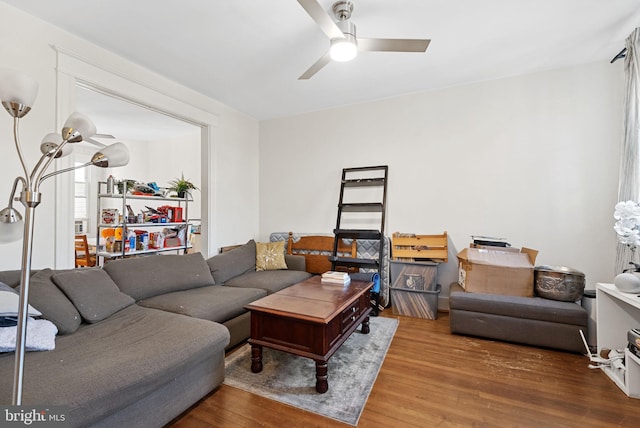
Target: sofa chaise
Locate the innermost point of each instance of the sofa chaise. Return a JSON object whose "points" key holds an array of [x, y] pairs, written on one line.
{"points": [[142, 339]]}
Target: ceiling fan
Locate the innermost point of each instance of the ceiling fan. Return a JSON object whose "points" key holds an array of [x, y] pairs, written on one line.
{"points": [[100, 136], [342, 33]]}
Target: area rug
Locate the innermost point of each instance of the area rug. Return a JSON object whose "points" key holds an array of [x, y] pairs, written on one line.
{"points": [[292, 380]]}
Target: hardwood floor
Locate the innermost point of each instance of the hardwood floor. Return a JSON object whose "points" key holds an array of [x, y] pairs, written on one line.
{"points": [[433, 378]]}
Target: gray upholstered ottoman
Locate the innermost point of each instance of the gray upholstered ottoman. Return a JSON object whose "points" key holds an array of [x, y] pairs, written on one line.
{"points": [[528, 320]]}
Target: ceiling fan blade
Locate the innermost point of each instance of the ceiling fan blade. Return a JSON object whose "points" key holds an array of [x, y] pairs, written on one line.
{"points": [[322, 18], [324, 60], [393, 45], [94, 142], [104, 136]]}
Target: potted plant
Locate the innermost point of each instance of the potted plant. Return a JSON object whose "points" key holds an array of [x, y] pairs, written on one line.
{"points": [[125, 186], [181, 186]]}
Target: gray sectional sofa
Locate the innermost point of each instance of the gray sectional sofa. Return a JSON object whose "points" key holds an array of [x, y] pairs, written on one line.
{"points": [[142, 339]]}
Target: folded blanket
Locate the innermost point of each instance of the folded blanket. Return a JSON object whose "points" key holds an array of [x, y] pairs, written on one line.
{"points": [[41, 336]]}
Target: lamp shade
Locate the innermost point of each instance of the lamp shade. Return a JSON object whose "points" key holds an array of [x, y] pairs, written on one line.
{"points": [[18, 92], [11, 225], [16, 87], [343, 49], [50, 143], [78, 127], [116, 154]]}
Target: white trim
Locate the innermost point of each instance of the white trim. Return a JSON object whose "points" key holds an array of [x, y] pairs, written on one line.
{"points": [[63, 213], [74, 71]]}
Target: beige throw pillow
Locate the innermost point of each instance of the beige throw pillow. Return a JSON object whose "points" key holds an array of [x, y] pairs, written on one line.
{"points": [[270, 256]]}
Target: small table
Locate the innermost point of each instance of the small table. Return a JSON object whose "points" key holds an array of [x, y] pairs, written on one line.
{"points": [[309, 319]]}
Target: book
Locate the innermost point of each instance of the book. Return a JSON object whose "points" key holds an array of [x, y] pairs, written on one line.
{"points": [[334, 281], [335, 275]]}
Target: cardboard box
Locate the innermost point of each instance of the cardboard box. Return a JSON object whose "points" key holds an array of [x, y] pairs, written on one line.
{"points": [[493, 271]]}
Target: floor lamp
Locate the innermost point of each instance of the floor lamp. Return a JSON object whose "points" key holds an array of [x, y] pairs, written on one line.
{"points": [[17, 94]]}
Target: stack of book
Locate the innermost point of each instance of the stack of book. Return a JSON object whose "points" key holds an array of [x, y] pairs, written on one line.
{"points": [[332, 277]]}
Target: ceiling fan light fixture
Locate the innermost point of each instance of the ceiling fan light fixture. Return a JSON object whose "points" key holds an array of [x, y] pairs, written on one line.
{"points": [[343, 50]]}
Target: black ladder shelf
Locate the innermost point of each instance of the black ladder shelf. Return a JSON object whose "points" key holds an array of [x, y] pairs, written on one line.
{"points": [[374, 177]]}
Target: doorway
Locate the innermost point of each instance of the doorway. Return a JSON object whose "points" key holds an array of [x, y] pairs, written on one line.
{"points": [[110, 99], [162, 149]]}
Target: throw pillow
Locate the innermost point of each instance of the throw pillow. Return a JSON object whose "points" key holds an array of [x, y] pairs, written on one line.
{"points": [[270, 256], [54, 305], [93, 293], [10, 302]]}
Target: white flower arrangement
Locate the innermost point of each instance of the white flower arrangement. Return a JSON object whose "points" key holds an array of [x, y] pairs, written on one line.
{"points": [[627, 215]]}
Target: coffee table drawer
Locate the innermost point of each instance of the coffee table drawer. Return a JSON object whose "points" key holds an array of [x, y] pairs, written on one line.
{"points": [[353, 312]]}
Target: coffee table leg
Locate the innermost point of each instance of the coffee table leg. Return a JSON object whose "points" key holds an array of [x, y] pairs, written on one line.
{"points": [[256, 358], [322, 383], [365, 326]]}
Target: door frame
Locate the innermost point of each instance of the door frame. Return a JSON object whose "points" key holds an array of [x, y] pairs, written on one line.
{"points": [[73, 71]]}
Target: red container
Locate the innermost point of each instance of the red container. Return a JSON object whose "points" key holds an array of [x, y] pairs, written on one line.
{"points": [[177, 215]]}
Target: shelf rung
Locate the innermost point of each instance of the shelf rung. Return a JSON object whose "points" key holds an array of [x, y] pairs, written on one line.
{"points": [[361, 207], [357, 233], [363, 182], [350, 261]]}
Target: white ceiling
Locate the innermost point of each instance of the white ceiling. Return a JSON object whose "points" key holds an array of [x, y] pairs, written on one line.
{"points": [[248, 54]]}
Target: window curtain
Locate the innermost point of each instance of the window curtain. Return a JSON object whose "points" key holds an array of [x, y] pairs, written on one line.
{"points": [[629, 181]]}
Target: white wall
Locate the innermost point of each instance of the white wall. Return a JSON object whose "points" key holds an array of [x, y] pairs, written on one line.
{"points": [[234, 151], [169, 158], [531, 158]]}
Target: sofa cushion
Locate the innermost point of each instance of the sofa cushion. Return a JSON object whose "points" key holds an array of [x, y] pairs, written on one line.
{"points": [[535, 308], [107, 366], [233, 263], [295, 262], [144, 277], [93, 293], [51, 301], [11, 277], [270, 280], [215, 303]]}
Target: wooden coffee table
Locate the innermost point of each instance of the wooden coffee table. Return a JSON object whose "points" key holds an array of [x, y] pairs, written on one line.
{"points": [[309, 319]]}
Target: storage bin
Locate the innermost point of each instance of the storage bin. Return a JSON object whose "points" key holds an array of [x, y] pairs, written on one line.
{"points": [[413, 275], [415, 303]]}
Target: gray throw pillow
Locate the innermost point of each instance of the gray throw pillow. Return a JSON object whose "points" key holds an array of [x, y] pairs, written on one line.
{"points": [[233, 263], [145, 277], [92, 292], [54, 305]]}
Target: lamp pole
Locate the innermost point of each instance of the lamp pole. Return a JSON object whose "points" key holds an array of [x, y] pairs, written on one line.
{"points": [[30, 200], [17, 94]]}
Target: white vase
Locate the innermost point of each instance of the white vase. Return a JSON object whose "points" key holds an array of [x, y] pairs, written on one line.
{"points": [[628, 282]]}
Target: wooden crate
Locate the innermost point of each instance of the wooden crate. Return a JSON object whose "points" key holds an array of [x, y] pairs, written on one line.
{"points": [[412, 247], [415, 303]]}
